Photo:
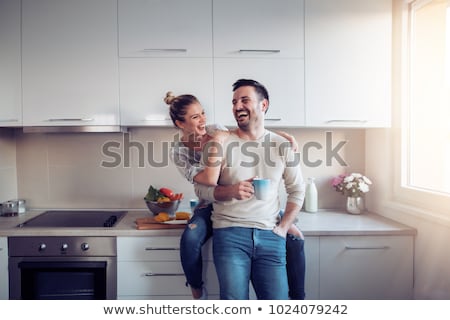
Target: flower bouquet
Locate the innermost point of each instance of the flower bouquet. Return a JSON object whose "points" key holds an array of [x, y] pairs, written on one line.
{"points": [[354, 186]]}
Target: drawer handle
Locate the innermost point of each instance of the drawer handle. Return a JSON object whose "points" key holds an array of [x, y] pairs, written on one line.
{"points": [[157, 248], [156, 118], [259, 51], [272, 119], [346, 121], [70, 119], [9, 120], [164, 50], [367, 248], [155, 274]]}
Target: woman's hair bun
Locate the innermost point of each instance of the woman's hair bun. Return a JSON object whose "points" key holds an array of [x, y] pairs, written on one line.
{"points": [[169, 98]]}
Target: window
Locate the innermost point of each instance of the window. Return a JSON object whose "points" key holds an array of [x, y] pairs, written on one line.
{"points": [[425, 111]]}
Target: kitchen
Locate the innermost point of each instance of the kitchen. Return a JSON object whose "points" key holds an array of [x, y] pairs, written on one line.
{"points": [[79, 83]]}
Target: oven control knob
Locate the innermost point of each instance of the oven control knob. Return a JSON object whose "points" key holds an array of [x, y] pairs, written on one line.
{"points": [[64, 247], [85, 246], [42, 247]]}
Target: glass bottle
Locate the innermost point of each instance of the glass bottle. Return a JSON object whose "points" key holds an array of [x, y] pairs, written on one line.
{"points": [[311, 196]]}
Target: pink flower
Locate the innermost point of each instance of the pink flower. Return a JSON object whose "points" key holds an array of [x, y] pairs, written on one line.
{"points": [[337, 180]]}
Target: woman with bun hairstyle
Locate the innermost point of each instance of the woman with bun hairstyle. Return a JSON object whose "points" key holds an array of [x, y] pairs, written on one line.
{"points": [[188, 115]]}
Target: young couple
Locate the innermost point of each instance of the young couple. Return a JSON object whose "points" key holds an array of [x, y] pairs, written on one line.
{"points": [[254, 240]]}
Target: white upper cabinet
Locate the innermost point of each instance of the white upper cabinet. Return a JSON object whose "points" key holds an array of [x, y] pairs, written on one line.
{"points": [[163, 46], [165, 28], [283, 78], [264, 41], [258, 28], [10, 77], [144, 83], [348, 63], [70, 63]]}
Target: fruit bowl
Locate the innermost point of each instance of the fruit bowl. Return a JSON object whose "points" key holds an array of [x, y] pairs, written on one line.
{"points": [[157, 207]]}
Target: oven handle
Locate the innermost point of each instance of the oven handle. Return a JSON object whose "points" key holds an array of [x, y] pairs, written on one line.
{"points": [[61, 264], [157, 248]]}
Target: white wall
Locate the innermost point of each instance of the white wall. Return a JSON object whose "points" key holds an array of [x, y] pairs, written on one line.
{"points": [[431, 252]]}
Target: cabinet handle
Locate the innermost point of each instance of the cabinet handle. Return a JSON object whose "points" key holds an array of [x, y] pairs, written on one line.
{"points": [[259, 51], [9, 120], [154, 274], [346, 120], [157, 248], [70, 119], [155, 118], [164, 50], [367, 248], [272, 119]]}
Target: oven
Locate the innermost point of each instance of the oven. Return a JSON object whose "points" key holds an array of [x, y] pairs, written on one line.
{"points": [[65, 267], [62, 268]]}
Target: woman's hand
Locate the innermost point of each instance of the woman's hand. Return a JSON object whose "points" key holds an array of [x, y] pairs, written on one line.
{"points": [[280, 231], [290, 138], [220, 136]]}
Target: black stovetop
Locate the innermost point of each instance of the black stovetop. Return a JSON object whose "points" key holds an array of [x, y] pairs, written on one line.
{"points": [[74, 219]]}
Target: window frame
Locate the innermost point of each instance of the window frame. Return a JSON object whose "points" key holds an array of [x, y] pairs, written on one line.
{"points": [[424, 202]]}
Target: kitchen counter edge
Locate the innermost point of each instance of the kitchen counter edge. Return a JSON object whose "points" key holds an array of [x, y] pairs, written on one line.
{"points": [[321, 223]]}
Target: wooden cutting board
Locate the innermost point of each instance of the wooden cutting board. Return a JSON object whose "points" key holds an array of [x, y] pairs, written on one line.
{"points": [[150, 223]]}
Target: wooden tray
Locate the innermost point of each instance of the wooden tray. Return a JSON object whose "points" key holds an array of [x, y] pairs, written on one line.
{"points": [[150, 223]]}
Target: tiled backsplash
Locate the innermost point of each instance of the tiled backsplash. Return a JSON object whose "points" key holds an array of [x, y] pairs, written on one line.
{"points": [[8, 171], [66, 171]]}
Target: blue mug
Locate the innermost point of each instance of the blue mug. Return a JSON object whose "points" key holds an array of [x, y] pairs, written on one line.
{"points": [[262, 188], [193, 203]]}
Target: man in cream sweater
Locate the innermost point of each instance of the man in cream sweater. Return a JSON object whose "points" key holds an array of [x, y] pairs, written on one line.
{"points": [[249, 237]]}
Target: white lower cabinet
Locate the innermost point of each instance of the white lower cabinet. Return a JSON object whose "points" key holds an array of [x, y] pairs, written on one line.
{"points": [[366, 267], [337, 268], [4, 286], [312, 268], [150, 268]]}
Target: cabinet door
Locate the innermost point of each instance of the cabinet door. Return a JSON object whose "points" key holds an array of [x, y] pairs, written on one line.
{"points": [[151, 278], [150, 268], [70, 63], [348, 63], [10, 77], [312, 268], [258, 28], [4, 285], [168, 28], [283, 78], [366, 267], [144, 83]]}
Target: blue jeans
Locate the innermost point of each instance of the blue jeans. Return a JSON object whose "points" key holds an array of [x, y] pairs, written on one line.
{"points": [[295, 267], [195, 235], [199, 230], [249, 254]]}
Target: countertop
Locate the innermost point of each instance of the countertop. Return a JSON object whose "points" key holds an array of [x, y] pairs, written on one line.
{"points": [[321, 223]]}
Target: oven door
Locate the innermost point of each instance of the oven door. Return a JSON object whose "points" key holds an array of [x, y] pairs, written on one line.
{"points": [[62, 278]]}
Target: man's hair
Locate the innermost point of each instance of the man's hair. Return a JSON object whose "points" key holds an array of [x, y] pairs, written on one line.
{"points": [[259, 88]]}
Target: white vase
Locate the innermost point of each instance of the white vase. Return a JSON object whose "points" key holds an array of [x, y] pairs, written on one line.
{"points": [[355, 205]]}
